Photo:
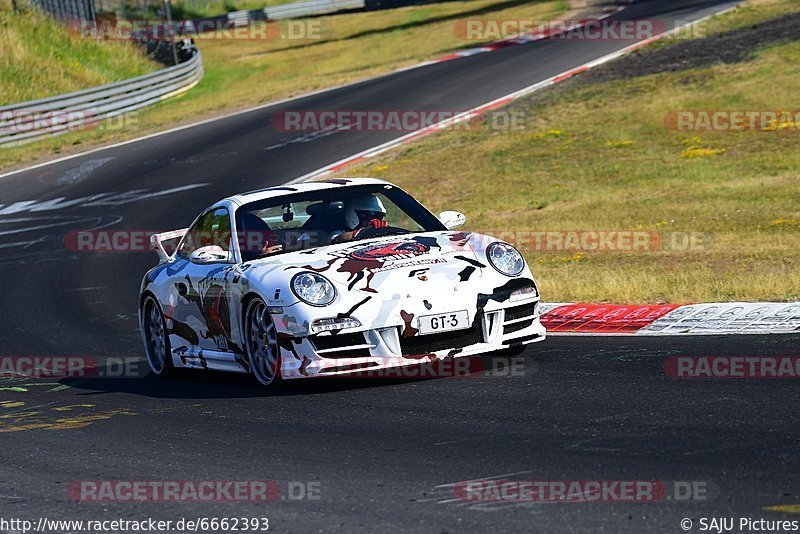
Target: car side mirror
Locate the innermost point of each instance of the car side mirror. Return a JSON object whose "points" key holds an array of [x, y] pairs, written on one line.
{"points": [[452, 219], [210, 254]]}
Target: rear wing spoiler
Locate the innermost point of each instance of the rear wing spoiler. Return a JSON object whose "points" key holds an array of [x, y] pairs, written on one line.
{"points": [[157, 239]]}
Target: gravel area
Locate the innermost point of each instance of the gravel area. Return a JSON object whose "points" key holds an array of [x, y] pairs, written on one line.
{"points": [[731, 47]]}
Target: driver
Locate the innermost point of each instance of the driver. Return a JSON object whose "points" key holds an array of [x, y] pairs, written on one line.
{"points": [[361, 213]]}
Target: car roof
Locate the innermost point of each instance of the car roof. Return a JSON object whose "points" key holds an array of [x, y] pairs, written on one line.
{"points": [[281, 190]]}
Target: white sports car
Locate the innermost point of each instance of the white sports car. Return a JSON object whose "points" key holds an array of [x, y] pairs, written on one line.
{"points": [[330, 278]]}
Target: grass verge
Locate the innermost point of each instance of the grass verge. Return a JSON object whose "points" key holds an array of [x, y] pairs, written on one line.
{"points": [[187, 9], [183, 9], [597, 156], [38, 58]]}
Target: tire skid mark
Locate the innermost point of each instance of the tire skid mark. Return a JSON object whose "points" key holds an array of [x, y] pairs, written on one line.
{"points": [[41, 420], [18, 415]]}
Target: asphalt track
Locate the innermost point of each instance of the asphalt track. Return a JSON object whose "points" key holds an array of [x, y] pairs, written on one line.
{"points": [[382, 451]]}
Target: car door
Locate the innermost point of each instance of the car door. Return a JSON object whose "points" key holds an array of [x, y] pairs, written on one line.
{"points": [[202, 292]]}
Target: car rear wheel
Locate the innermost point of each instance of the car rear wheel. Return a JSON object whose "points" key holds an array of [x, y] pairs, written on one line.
{"points": [[261, 338], [156, 339]]}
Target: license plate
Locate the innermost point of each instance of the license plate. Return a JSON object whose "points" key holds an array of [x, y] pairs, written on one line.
{"points": [[443, 322]]}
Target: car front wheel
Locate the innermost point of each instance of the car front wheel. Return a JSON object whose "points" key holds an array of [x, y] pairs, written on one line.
{"points": [[261, 338]]}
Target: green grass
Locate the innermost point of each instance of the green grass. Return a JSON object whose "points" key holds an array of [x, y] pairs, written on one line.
{"points": [[38, 58], [598, 156], [186, 9], [751, 13], [205, 8], [243, 73], [746, 14]]}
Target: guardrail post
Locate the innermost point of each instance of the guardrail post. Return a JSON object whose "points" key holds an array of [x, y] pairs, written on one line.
{"points": [[171, 30]]}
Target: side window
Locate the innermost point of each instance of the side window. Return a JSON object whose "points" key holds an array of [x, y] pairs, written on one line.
{"points": [[212, 229]]}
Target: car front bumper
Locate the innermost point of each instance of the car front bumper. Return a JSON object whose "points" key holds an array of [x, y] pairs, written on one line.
{"points": [[396, 343]]}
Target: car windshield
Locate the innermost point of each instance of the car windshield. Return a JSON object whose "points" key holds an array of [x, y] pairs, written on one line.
{"points": [[317, 218]]}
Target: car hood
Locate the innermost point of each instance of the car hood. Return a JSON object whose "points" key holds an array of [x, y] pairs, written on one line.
{"points": [[385, 264]]}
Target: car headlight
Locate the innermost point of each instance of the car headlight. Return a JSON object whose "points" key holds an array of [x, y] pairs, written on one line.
{"points": [[505, 258], [313, 288]]}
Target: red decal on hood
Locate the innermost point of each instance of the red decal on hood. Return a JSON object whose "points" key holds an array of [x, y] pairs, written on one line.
{"points": [[387, 251]]}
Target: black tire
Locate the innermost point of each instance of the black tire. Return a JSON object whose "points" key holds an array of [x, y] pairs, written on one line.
{"points": [[261, 343], [156, 339]]}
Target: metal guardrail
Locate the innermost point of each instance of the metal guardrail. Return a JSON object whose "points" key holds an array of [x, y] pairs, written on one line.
{"points": [[64, 10], [245, 17], [27, 121], [293, 10]]}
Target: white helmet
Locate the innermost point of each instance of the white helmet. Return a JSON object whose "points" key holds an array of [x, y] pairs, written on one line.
{"points": [[364, 205]]}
